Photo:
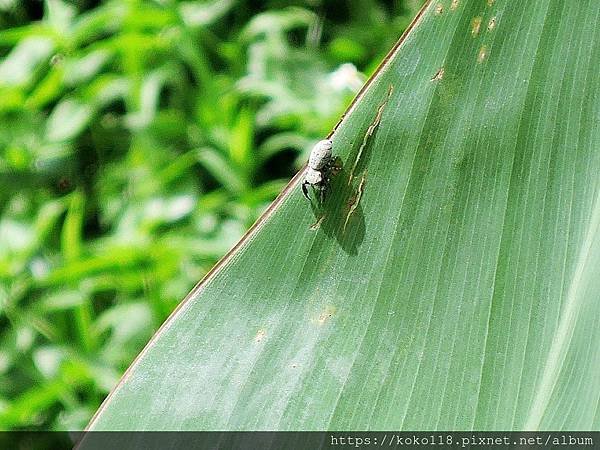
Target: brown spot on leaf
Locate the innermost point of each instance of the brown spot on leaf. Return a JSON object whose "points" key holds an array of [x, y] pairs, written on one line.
{"points": [[317, 224], [491, 24], [326, 315], [370, 132], [490, 2], [439, 9], [260, 335], [483, 54], [454, 4], [438, 75], [355, 200], [475, 25]]}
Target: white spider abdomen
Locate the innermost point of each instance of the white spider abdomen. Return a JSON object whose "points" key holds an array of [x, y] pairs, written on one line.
{"points": [[312, 176], [320, 154]]}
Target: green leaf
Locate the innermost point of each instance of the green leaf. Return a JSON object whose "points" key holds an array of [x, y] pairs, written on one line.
{"points": [[275, 22], [205, 13], [68, 118], [148, 99], [83, 69], [220, 168], [71, 238], [240, 147], [450, 280], [19, 66], [26, 407], [59, 14]]}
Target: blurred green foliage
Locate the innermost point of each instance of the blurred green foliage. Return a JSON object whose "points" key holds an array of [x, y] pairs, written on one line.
{"points": [[139, 139]]}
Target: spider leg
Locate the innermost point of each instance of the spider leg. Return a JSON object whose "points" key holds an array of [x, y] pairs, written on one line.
{"points": [[322, 189], [305, 190]]}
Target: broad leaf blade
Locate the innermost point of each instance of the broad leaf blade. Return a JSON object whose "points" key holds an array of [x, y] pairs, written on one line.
{"points": [[453, 282]]}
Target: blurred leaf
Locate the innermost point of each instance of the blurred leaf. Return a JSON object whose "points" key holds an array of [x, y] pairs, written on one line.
{"points": [[220, 168], [83, 69], [203, 13], [106, 89], [15, 235], [115, 259], [20, 240], [29, 408], [128, 324], [14, 36], [48, 360], [74, 419], [241, 143], [265, 192], [159, 210], [7, 5], [346, 49], [47, 89], [18, 68], [276, 22], [282, 141], [98, 22], [59, 14], [63, 300], [297, 87], [71, 232], [68, 118], [148, 98], [12, 99]]}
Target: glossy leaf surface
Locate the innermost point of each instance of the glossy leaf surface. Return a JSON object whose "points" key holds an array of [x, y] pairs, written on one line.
{"points": [[451, 280]]}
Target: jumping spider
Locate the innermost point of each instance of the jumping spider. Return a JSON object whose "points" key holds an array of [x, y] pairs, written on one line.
{"points": [[321, 167]]}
